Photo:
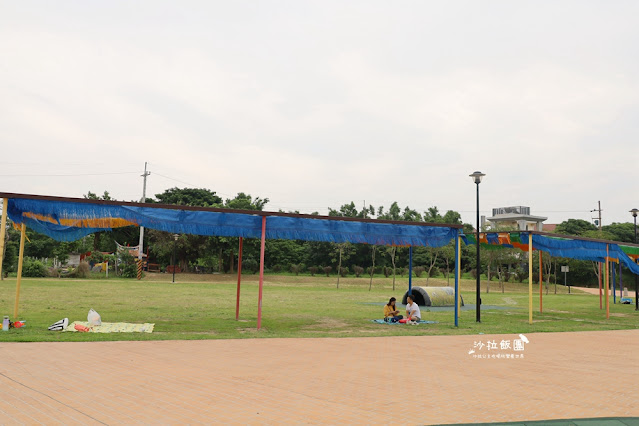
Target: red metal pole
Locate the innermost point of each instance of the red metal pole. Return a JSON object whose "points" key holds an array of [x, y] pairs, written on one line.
{"points": [[259, 303], [239, 279]]}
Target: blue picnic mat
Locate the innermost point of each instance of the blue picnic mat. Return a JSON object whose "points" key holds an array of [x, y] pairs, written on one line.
{"points": [[381, 321]]}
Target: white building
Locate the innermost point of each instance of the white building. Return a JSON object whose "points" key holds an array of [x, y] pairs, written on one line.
{"points": [[516, 217]]}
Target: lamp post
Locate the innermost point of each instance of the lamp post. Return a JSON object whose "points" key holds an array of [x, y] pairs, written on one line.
{"points": [[477, 176], [175, 238], [634, 215]]}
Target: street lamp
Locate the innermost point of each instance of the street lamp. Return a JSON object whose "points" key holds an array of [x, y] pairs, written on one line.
{"points": [[175, 238], [477, 176], [634, 214]]}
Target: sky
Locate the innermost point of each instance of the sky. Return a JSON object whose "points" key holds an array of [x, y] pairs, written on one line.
{"points": [[314, 104]]}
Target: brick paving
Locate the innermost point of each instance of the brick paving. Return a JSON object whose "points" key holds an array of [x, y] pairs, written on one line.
{"points": [[407, 380]]}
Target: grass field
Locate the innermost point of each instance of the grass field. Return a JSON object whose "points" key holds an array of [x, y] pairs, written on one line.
{"points": [[203, 307]]}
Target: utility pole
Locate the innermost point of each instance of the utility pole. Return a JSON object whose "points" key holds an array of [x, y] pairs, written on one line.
{"points": [[599, 218], [140, 248]]}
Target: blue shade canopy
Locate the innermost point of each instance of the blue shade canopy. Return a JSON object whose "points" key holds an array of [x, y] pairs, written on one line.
{"points": [[66, 220], [563, 247]]}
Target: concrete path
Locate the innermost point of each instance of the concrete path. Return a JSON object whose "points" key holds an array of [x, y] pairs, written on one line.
{"points": [[407, 380]]}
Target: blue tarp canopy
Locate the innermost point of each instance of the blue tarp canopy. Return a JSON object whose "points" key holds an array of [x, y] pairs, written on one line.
{"points": [[68, 220]]}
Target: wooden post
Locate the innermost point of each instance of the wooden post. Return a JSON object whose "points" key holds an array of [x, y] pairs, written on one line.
{"points": [[3, 230], [20, 259], [239, 279], [262, 248]]}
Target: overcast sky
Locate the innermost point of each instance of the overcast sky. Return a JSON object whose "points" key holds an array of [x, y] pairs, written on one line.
{"points": [[316, 104]]}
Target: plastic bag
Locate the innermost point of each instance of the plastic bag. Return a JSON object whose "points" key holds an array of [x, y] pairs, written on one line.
{"points": [[94, 318]]}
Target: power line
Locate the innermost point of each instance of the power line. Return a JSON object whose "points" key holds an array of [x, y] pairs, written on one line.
{"points": [[70, 175]]}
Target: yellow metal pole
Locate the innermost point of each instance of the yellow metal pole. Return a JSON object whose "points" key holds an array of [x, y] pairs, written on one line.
{"points": [[607, 272], [530, 278], [3, 230], [20, 258], [458, 266]]}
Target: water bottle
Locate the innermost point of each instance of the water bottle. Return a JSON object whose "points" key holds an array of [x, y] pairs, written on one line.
{"points": [[5, 323]]}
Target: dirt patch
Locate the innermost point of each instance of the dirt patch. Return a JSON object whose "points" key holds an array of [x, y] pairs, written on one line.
{"points": [[327, 324]]}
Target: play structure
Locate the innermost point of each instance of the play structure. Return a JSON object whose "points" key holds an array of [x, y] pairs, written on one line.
{"points": [[69, 219], [433, 296]]}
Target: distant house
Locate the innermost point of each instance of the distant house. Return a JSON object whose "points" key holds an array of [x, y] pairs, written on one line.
{"points": [[515, 217], [550, 227]]}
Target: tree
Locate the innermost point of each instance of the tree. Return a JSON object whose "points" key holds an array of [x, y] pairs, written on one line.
{"points": [[244, 201], [190, 197], [575, 227]]}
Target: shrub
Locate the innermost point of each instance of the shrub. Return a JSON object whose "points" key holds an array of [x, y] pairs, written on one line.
{"points": [[433, 272], [358, 271], [276, 268], [82, 271], [418, 271], [343, 271], [295, 269], [250, 265], [129, 270], [387, 271], [313, 270], [327, 270], [54, 272], [33, 268]]}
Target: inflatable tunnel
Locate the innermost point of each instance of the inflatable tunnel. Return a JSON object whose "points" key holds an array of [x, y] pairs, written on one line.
{"points": [[433, 296]]}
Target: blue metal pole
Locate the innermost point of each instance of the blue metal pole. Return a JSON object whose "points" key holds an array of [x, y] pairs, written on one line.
{"points": [[614, 289], [410, 269], [457, 279], [620, 282]]}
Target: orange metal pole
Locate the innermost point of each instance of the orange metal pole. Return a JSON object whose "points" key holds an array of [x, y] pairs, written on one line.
{"points": [[259, 303], [239, 279]]}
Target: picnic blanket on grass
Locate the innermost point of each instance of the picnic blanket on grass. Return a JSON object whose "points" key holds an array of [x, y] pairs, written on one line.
{"points": [[113, 327], [381, 321]]}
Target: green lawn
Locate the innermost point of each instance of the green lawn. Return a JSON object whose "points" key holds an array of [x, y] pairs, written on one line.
{"points": [[293, 306]]}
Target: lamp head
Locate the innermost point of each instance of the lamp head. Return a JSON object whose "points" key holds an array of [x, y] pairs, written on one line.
{"points": [[634, 212], [477, 177], [176, 236]]}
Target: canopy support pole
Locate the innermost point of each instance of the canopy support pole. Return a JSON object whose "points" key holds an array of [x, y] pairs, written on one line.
{"points": [[620, 283], [410, 269], [262, 247], [614, 286], [20, 259], [607, 286], [530, 278], [600, 292], [457, 279], [3, 230], [541, 280], [239, 279]]}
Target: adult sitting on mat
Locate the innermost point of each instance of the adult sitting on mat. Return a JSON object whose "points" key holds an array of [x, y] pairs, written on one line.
{"points": [[412, 311], [391, 313]]}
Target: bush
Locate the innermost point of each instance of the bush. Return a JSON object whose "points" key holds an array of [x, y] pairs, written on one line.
{"points": [[387, 271], [343, 271], [276, 268], [250, 265], [82, 271], [433, 272], [33, 268], [54, 272], [313, 270], [358, 271], [129, 271], [327, 270], [295, 269], [418, 271]]}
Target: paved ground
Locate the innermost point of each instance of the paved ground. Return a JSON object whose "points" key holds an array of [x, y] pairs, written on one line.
{"points": [[407, 380], [593, 290]]}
